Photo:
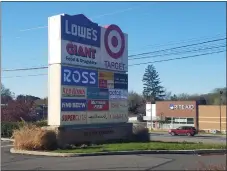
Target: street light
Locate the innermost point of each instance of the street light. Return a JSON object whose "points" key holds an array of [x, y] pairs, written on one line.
{"points": [[221, 92]]}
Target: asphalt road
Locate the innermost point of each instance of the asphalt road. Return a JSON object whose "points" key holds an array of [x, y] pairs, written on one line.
{"points": [[124, 162], [206, 138]]}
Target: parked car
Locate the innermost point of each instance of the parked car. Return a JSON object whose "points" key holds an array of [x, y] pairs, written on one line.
{"points": [[183, 130]]}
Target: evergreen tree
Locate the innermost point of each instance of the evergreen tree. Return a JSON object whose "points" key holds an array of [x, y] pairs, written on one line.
{"points": [[152, 89]]}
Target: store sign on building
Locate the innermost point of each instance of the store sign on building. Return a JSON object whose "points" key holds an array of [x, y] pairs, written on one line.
{"points": [[181, 107]]}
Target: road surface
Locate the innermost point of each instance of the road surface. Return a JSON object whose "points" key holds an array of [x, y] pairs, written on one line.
{"points": [[124, 162]]}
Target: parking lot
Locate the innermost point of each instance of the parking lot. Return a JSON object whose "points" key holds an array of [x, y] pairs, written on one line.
{"points": [[205, 138]]}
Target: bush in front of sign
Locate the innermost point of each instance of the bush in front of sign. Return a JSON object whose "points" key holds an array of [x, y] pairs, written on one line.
{"points": [[31, 137], [140, 133]]}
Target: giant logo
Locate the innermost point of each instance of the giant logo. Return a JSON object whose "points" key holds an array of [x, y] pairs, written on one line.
{"points": [[79, 77], [114, 41], [80, 29]]}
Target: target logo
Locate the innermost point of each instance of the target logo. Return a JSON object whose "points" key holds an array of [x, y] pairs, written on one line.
{"points": [[114, 41]]}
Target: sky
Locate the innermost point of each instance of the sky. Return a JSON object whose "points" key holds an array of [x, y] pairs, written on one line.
{"points": [[150, 26]]}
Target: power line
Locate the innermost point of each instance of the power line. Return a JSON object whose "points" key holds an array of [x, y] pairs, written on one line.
{"points": [[165, 60], [179, 52], [184, 41], [32, 75], [159, 61], [25, 69], [97, 16], [194, 44], [45, 67]]}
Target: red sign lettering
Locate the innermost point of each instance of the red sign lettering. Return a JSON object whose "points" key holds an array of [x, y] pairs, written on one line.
{"points": [[77, 50], [102, 83], [74, 117], [98, 105], [79, 92]]}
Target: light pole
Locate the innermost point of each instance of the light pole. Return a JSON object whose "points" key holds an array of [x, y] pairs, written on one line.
{"points": [[220, 108]]}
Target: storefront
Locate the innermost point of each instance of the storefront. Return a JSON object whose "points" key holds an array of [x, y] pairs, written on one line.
{"points": [[172, 114]]}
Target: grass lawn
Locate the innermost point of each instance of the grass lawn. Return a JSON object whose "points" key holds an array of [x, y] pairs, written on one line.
{"points": [[143, 146]]}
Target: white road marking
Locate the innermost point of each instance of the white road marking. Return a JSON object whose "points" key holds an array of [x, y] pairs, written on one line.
{"points": [[6, 146]]}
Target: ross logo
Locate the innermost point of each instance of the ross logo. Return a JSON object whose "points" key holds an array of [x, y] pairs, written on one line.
{"points": [[79, 77], [114, 41]]}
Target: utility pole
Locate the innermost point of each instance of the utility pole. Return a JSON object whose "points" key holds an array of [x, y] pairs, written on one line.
{"points": [[220, 108]]}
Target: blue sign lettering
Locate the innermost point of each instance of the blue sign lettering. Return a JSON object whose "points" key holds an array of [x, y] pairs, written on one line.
{"points": [[120, 81], [80, 29], [97, 93], [73, 105], [79, 77]]}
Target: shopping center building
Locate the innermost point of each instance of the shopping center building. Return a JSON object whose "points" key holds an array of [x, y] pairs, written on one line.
{"points": [[172, 114]]}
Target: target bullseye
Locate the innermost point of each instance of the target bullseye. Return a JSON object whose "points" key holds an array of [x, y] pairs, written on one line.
{"points": [[114, 41]]}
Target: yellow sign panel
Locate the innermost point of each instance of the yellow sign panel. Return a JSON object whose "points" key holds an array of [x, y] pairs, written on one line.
{"points": [[106, 75]]}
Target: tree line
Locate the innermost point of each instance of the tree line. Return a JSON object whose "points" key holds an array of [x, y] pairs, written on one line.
{"points": [[25, 106]]}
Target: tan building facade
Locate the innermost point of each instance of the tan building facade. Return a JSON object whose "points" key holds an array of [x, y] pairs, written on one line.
{"points": [[209, 117], [177, 113]]}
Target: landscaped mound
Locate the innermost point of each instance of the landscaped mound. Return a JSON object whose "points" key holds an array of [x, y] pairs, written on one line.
{"points": [[31, 137]]}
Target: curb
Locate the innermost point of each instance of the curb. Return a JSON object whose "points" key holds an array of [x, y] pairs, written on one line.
{"points": [[52, 154], [7, 139]]}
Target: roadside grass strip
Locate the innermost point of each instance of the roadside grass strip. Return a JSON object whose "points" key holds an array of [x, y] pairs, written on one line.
{"points": [[141, 146]]}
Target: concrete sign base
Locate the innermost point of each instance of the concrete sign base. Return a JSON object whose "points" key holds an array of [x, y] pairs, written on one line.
{"points": [[95, 134]]}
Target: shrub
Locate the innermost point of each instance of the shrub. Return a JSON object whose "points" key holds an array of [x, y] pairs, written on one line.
{"points": [[7, 128], [31, 137], [141, 133]]}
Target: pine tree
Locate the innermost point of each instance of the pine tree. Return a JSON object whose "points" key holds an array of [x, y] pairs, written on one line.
{"points": [[152, 89]]}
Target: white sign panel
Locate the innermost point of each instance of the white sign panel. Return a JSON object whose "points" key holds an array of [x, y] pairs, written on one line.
{"points": [[97, 117], [114, 49], [148, 110], [73, 118], [118, 117], [118, 105], [118, 94], [80, 54]]}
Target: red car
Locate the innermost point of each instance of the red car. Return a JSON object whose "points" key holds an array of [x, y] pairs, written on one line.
{"points": [[183, 130]]}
